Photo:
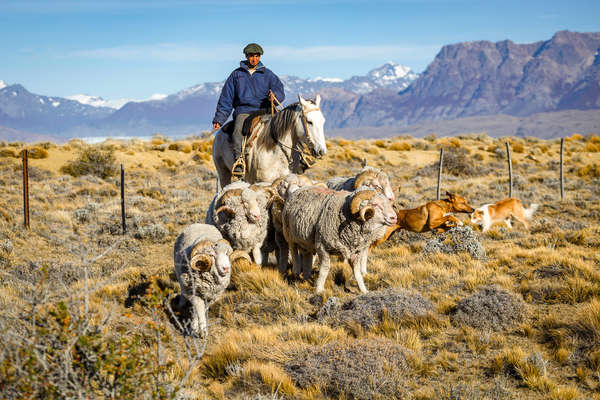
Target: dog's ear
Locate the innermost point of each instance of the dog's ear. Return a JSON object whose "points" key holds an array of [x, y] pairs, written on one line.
{"points": [[450, 195]]}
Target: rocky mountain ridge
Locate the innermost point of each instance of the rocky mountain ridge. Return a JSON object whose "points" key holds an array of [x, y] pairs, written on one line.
{"points": [[469, 79]]}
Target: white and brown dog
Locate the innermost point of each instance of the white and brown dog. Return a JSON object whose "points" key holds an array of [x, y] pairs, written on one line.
{"points": [[501, 212]]}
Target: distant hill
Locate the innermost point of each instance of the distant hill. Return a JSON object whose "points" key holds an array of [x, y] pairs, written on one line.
{"points": [[485, 78], [479, 85]]}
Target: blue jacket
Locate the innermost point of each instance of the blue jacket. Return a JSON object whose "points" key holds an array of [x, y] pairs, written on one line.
{"points": [[246, 93]]}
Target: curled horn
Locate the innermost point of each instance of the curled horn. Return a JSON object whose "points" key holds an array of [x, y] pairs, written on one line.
{"points": [[363, 177], [277, 182], [225, 209], [366, 213], [270, 192], [355, 204], [228, 194], [237, 254], [200, 262]]}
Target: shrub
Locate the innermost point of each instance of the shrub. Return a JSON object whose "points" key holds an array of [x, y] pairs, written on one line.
{"points": [[489, 308], [590, 170], [456, 240], [454, 142], [37, 153], [8, 152], [369, 309], [359, 369], [92, 161], [594, 139], [399, 146], [517, 147], [458, 162], [592, 147]]}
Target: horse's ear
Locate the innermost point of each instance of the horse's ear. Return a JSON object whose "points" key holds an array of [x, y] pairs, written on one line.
{"points": [[301, 100], [318, 100]]}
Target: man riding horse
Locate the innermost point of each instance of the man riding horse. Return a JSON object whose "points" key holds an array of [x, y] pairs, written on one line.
{"points": [[249, 88]]}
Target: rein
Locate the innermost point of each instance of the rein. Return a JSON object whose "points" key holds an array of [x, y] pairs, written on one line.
{"points": [[307, 158]]}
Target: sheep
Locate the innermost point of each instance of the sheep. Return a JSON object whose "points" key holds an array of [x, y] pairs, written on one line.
{"points": [[239, 211], [368, 176], [284, 187], [323, 221], [202, 261]]}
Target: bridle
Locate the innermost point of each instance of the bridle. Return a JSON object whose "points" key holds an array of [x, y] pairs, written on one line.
{"points": [[304, 151]]}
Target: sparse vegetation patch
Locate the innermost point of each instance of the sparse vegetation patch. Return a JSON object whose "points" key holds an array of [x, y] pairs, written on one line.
{"points": [[491, 308]]}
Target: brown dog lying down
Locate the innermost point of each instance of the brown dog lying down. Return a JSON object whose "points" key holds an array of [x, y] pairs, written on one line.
{"points": [[433, 216], [502, 211]]}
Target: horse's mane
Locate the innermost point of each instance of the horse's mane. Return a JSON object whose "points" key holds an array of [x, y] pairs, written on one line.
{"points": [[280, 124]]}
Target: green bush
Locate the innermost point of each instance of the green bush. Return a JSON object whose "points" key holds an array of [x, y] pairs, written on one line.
{"points": [[93, 161]]}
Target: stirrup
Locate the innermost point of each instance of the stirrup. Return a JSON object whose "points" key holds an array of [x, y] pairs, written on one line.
{"points": [[238, 170]]}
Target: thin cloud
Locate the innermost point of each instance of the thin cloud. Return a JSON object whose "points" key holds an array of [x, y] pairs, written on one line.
{"points": [[173, 52]]}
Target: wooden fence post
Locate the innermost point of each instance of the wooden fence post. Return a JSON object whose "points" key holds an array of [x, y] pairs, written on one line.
{"points": [[440, 173], [510, 175], [562, 171], [123, 200], [25, 189]]}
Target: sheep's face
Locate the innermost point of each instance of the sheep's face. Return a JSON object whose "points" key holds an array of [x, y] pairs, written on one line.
{"points": [[291, 183], [250, 203], [383, 213], [210, 256], [377, 180], [222, 262]]}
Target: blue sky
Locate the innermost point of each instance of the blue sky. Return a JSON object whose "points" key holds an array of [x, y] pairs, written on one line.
{"points": [[134, 49]]}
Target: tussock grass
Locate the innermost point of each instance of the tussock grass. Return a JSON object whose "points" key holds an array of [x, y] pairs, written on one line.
{"points": [[263, 322]]}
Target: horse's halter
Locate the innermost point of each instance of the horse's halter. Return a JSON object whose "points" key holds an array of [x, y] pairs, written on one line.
{"points": [[308, 160], [305, 150]]}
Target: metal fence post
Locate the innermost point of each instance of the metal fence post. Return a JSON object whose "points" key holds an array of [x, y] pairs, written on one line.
{"points": [[562, 171], [510, 174], [440, 173], [25, 189], [123, 200]]}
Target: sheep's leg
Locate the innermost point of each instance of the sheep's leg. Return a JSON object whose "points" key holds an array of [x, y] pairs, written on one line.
{"points": [[296, 260], [182, 301], [257, 255], [284, 253], [307, 263], [324, 266], [199, 318], [363, 262], [356, 263]]}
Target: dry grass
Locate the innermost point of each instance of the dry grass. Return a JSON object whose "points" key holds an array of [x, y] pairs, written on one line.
{"points": [[270, 337]]}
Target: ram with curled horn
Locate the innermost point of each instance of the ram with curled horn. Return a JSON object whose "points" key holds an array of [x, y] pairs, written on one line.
{"points": [[240, 212], [203, 262], [368, 176], [360, 204], [324, 222]]}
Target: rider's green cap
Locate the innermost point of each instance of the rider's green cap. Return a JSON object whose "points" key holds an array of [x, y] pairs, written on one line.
{"points": [[253, 48]]}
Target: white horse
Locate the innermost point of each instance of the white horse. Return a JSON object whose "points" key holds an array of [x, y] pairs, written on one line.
{"points": [[281, 146]]}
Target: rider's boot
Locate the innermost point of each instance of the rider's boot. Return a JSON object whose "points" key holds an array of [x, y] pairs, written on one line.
{"points": [[238, 170]]}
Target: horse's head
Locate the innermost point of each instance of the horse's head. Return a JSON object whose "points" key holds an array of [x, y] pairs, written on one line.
{"points": [[313, 121]]}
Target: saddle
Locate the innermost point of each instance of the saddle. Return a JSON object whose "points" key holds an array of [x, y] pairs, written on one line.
{"points": [[249, 123]]}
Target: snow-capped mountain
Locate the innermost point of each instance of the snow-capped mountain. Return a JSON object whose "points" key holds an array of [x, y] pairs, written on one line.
{"points": [[390, 75], [98, 101], [187, 111], [23, 110], [2, 84]]}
